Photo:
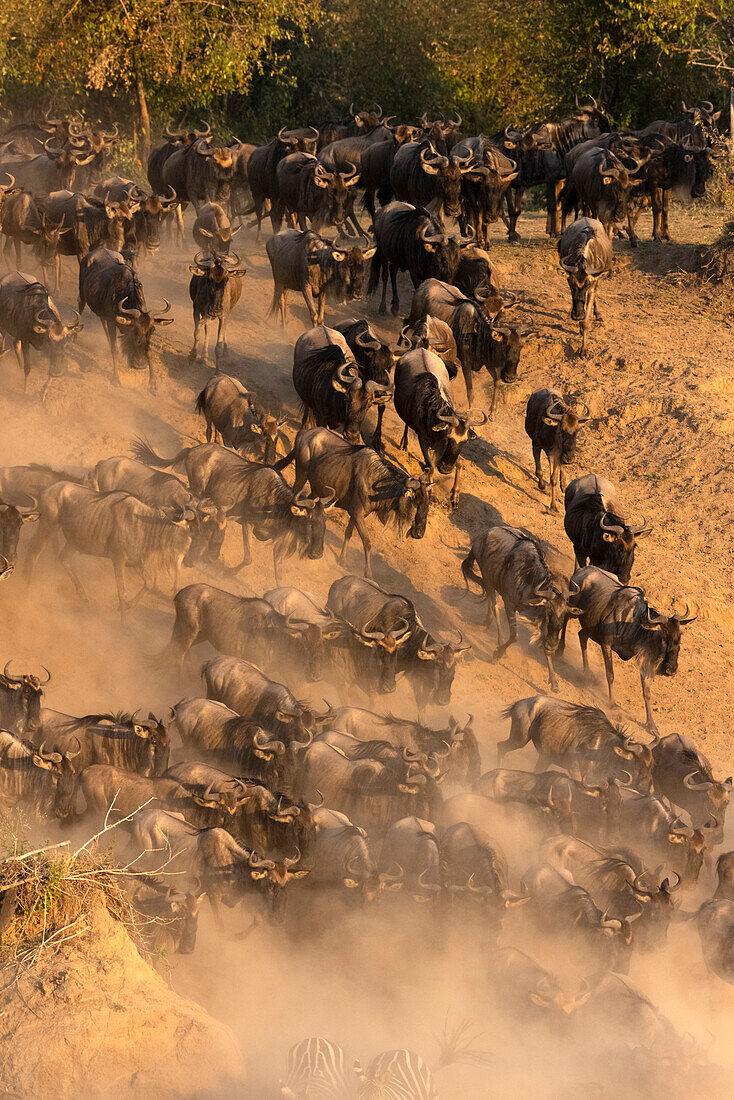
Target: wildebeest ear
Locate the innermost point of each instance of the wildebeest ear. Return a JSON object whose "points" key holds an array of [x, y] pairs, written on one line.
{"points": [[299, 874], [120, 320], [574, 612], [41, 763], [369, 253], [338, 255], [141, 731], [196, 270], [163, 320], [256, 429], [298, 511]]}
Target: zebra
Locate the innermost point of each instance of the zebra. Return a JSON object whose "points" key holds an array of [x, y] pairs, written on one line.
{"points": [[316, 1071], [396, 1075]]}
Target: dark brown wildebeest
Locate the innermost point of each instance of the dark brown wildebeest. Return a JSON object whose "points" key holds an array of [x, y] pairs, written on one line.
{"points": [[313, 266], [653, 831], [112, 290], [585, 254], [725, 876], [309, 193], [151, 210], [552, 425], [215, 289], [579, 739], [523, 986], [601, 183], [220, 732], [376, 163], [262, 169], [483, 339], [374, 359], [362, 483], [124, 740], [432, 332], [44, 780], [255, 495], [425, 404], [119, 527], [240, 420], [620, 620], [31, 319], [684, 775], [595, 526], [484, 186], [408, 239], [512, 564], [20, 701], [23, 223], [16, 508], [423, 177], [212, 230], [329, 383], [571, 802]]}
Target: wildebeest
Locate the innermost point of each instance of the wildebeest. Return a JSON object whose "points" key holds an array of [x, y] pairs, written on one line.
{"points": [[601, 181], [199, 173], [241, 626], [240, 420], [22, 222], [214, 863], [376, 163], [725, 876], [559, 904], [313, 266], [715, 921], [242, 686], [123, 740], [362, 482], [119, 527], [423, 177], [262, 170], [310, 193], [571, 802], [374, 359], [473, 865], [31, 319], [482, 337], [412, 846], [484, 186], [113, 791], [615, 1010], [585, 254], [595, 525], [150, 213], [620, 620], [212, 230], [373, 793], [328, 381], [408, 239], [525, 986], [681, 773], [219, 797], [425, 404], [382, 620], [552, 425], [52, 170], [255, 495], [651, 829], [463, 762], [167, 918], [512, 564], [217, 730], [92, 223], [20, 700], [432, 332], [616, 886], [475, 275], [112, 290], [45, 780], [579, 738], [215, 289]]}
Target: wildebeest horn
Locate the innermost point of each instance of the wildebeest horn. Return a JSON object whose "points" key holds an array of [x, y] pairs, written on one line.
{"points": [[448, 418], [688, 782], [73, 755], [613, 528], [8, 186], [474, 419], [385, 876], [203, 133], [130, 311], [329, 498], [296, 859], [639, 888], [260, 741], [364, 340], [462, 158], [255, 862], [303, 499], [430, 886], [430, 238], [166, 309], [6, 674], [668, 887], [352, 175], [409, 756], [346, 373], [377, 635], [686, 617], [48, 677]]}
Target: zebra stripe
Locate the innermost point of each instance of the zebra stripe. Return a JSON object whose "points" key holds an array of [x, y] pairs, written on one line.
{"points": [[397, 1075], [316, 1071]]}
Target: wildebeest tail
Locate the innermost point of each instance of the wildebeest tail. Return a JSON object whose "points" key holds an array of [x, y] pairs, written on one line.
{"points": [[200, 402], [384, 192], [375, 269], [470, 573], [143, 451], [283, 462]]}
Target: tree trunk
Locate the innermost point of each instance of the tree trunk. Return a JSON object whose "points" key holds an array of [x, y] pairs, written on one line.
{"points": [[144, 120], [731, 118]]}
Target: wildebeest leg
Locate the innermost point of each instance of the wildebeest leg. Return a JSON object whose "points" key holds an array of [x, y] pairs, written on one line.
{"points": [[656, 200], [665, 211], [26, 365], [562, 640], [404, 440], [606, 652], [455, 487], [220, 348], [395, 304], [366, 544], [111, 330], [179, 223], [649, 719], [277, 559], [193, 354], [64, 556], [311, 305], [490, 414], [347, 535], [512, 624], [555, 473], [493, 613], [552, 678], [513, 198], [246, 555], [322, 306], [383, 300], [377, 437], [537, 455], [468, 382], [584, 642], [10, 242]]}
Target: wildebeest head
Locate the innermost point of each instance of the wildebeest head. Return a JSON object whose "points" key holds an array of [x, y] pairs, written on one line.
{"points": [[667, 631], [452, 430], [376, 357], [582, 284], [55, 337], [20, 699], [350, 262], [200, 521], [448, 172], [218, 269], [702, 168], [437, 667], [310, 514], [302, 139], [594, 121], [273, 877], [359, 397], [507, 335], [691, 843], [554, 612], [12, 519], [266, 424], [385, 647], [714, 794], [48, 235], [414, 503], [361, 874], [464, 760], [614, 542], [136, 328], [566, 422], [368, 119], [64, 779], [443, 250], [655, 904], [337, 187], [149, 216], [174, 913], [67, 160]]}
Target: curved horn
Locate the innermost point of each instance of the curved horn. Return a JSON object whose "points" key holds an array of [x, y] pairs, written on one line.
{"points": [[296, 859], [431, 887], [255, 862], [6, 674], [385, 876], [166, 308], [48, 677], [688, 782], [686, 617], [613, 528], [260, 741]]}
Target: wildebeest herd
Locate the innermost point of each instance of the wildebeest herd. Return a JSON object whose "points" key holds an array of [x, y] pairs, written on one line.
{"points": [[273, 801]]}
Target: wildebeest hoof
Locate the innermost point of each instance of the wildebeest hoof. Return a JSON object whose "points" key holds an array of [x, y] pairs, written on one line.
{"points": [[554, 687], [153, 388], [115, 380], [382, 311], [513, 236]]}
